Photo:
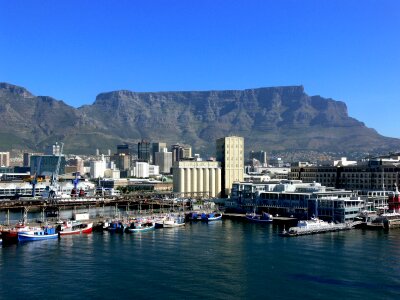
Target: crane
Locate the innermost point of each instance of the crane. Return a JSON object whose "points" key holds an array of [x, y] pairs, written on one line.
{"points": [[35, 176]]}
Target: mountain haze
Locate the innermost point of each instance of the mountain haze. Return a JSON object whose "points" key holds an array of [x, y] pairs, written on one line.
{"points": [[274, 118]]}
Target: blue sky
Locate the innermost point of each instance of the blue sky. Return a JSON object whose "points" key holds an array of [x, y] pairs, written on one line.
{"points": [[73, 50]]}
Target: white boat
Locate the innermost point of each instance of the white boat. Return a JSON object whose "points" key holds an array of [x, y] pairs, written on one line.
{"points": [[171, 221]]}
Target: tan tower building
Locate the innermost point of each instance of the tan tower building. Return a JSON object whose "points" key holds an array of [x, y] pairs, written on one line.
{"points": [[197, 178], [230, 152]]}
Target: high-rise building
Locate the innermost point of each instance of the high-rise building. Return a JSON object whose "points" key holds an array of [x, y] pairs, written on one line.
{"points": [[187, 152], [144, 151], [163, 159], [177, 152], [122, 161], [54, 149], [197, 178], [123, 149], [261, 156], [4, 159], [156, 147], [230, 152]]}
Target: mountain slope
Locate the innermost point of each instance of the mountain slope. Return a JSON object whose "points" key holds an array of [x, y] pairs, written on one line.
{"points": [[276, 118]]}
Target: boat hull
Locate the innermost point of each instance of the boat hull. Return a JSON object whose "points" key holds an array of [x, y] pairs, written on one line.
{"points": [[87, 229], [26, 237], [141, 229], [257, 220]]}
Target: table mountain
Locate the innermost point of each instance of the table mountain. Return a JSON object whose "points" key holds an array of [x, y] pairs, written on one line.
{"points": [[274, 118]]}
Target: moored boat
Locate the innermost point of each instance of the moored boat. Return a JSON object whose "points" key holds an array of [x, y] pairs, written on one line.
{"points": [[141, 226], [171, 221], [10, 235], [263, 218], [73, 227], [211, 217], [46, 233]]}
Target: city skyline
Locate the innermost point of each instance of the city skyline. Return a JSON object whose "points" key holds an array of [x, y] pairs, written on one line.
{"points": [[73, 51]]}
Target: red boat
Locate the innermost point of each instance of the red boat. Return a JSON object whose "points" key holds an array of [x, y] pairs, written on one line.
{"points": [[72, 227], [10, 235]]}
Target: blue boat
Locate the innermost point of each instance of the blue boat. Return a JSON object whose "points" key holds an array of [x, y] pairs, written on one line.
{"points": [[47, 233], [263, 218], [211, 217], [194, 216], [118, 227]]}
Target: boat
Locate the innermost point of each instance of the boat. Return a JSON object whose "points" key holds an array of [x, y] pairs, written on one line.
{"points": [[45, 233], [171, 221], [141, 226], [315, 225], [74, 227], [211, 217], [263, 218], [116, 226], [10, 235], [194, 216]]}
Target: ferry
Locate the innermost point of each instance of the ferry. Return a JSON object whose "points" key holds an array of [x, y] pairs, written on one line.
{"points": [[315, 225]]}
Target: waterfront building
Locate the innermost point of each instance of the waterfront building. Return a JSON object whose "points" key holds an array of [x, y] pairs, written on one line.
{"points": [[27, 158], [163, 159], [197, 178], [230, 152], [157, 147], [46, 165], [372, 174], [294, 197], [4, 159], [144, 151]]}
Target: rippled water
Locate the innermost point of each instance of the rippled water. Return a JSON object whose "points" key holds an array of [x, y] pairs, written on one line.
{"points": [[222, 260]]}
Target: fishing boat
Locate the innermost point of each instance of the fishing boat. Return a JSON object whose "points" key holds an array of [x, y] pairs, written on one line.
{"points": [[10, 235], [116, 226], [171, 221], [45, 233], [211, 217], [263, 218], [141, 226], [193, 216], [73, 227]]}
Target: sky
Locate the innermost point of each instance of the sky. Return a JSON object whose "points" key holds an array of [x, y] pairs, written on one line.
{"points": [[73, 50]]}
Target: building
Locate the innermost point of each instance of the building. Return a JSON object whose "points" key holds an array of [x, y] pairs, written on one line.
{"points": [[97, 168], [373, 174], [177, 153], [294, 197], [156, 147], [187, 152], [144, 151], [261, 156], [46, 165], [75, 165], [230, 152], [54, 149], [4, 159], [122, 161], [154, 170], [163, 159], [141, 169], [123, 149], [197, 178]]}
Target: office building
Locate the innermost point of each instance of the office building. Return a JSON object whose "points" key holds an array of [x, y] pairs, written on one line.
{"points": [[144, 151], [230, 152], [156, 147], [4, 159], [46, 165], [123, 149], [163, 159], [261, 156]]}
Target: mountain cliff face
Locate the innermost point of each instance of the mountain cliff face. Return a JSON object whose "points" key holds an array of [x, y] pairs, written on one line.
{"points": [[276, 118]]}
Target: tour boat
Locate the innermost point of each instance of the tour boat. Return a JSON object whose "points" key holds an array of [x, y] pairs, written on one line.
{"points": [[73, 227], [211, 217], [263, 218], [141, 226], [46, 233]]}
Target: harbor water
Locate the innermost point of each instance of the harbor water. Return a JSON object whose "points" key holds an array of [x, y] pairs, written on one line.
{"points": [[222, 260]]}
